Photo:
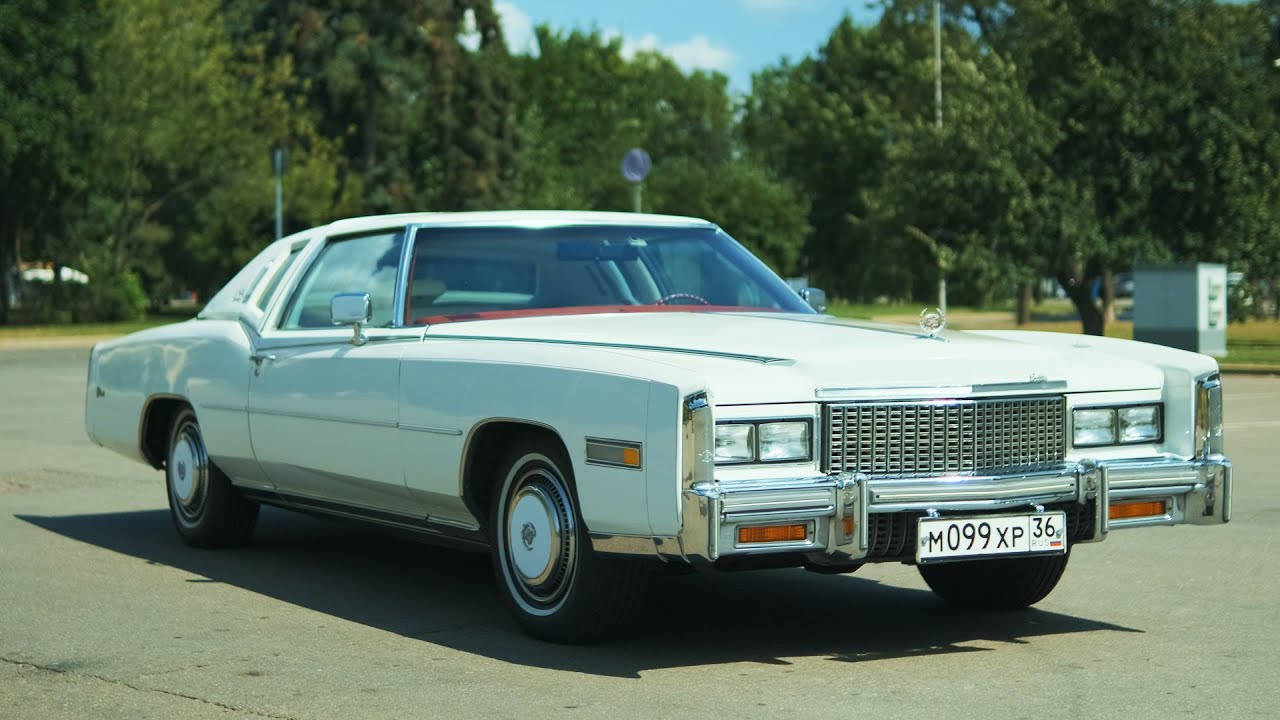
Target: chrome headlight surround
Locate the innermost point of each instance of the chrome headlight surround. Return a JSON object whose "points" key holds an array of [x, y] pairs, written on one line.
{"points": [[764, 441], [1209, 416], [1117, 425]]}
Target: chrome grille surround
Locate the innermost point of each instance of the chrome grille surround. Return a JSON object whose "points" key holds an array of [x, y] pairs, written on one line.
{"points": [[938, 438]]}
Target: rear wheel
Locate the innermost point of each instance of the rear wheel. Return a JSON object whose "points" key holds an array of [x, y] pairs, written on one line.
{"points": [[206, 509], [552, 581], [1003, 584]]}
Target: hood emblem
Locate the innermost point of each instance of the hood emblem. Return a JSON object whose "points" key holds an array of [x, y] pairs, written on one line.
{"points": [[932, 321]]}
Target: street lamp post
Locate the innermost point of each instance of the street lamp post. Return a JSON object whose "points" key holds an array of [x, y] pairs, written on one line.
{"points": [[937, 117]]}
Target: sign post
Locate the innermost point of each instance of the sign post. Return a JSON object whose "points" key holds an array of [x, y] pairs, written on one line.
{"points": [[277, 166]]}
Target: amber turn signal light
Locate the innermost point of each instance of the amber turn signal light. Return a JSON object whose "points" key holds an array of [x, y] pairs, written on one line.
{"points": [[848, 527], [631, 457], [1135, 509], [752, 534]]}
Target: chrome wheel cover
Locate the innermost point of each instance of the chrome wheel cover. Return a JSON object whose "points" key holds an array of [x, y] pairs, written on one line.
{"points": [[187, 470], [538, 538]]}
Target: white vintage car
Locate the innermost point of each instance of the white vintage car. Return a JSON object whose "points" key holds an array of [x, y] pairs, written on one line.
{"points": [[594, 395]]}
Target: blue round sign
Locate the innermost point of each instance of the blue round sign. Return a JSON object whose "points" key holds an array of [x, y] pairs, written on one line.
{"points": [[635, 165]]}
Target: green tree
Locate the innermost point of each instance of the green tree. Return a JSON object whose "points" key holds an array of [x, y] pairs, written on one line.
{"points": [[827, 124], [44, 52], [177, 154], [583, 105]]}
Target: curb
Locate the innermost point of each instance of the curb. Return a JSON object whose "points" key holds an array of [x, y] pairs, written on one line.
{"points": [[1230, 369]]}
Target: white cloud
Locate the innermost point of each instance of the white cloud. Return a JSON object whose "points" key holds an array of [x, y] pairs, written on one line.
{"points": [[696, 53], [517, 28], [468, 34]]}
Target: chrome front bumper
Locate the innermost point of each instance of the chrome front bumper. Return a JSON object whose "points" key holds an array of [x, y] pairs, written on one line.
{"points": [[1196, 492]]}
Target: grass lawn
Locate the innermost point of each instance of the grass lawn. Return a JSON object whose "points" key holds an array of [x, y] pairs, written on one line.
{"points": [[19, 332], [1253, 342]]}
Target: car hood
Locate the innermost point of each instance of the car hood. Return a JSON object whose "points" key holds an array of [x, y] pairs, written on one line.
{"points": [[781, 357]]}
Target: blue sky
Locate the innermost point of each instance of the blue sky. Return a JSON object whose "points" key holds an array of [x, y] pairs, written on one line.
{"points": [[735, 37]]}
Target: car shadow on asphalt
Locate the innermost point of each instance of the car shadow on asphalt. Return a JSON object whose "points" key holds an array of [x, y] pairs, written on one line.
{"points": [[448, 597]]}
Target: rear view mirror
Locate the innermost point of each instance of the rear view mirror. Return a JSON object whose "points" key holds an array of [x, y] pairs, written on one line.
{"points": [[353, 309], [588, 250]]}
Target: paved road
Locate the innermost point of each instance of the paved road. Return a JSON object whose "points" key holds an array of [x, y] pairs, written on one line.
{"points": [[103, 614]]}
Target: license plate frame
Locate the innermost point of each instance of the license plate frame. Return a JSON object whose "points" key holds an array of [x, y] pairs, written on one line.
{"points": [[967, 537]]}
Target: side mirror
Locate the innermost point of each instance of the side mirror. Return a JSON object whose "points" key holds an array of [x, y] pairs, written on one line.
{"points": [[816, 298], [352, 309]]}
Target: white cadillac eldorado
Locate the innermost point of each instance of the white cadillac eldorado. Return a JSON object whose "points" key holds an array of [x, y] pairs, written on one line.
{"points": [[594, 395]]}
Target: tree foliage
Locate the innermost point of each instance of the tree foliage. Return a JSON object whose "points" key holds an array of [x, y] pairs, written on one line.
{"points": [[1078, 138]]}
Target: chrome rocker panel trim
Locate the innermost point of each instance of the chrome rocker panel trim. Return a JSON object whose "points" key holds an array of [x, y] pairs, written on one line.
{"points": [[1196, 492]]}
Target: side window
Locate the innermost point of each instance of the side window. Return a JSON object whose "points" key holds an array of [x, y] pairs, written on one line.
{"points": [[362, 263], [282, 267]]}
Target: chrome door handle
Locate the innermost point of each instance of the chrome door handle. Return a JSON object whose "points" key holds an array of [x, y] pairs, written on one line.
{"points": [[258, 360]]}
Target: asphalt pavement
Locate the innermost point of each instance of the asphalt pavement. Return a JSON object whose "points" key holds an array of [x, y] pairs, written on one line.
{"points": [[105, 614]]}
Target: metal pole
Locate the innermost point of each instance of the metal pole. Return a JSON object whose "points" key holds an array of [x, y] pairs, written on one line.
{"points": [[937, 61], [635, 197], [277, 162], [937, 116]]}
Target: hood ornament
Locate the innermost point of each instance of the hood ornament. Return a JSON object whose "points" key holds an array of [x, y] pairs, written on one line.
{"points": [[932, 321]]}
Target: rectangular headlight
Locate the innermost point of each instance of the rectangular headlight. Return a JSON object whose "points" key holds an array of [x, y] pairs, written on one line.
{"points": [[1139, 424], [735, 443], [781, 441], [1093, 426]]}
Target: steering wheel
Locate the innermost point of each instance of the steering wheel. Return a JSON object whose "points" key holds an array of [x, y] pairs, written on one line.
{"points": [[667, 299]]}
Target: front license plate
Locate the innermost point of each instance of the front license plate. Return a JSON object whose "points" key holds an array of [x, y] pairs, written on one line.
{"points": [[948, 538]]}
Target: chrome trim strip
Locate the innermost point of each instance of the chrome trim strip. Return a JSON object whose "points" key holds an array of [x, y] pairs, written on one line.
{"points": [[229, 408], [633, 545], [449, 529], [762, 359], [429, 429], [460, 524], [601, 451], [323, 418], [802, 513], [916, 392], [1138, 492]]}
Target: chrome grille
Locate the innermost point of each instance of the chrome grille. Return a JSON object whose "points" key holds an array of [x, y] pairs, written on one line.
{"points": [[946, 437]]}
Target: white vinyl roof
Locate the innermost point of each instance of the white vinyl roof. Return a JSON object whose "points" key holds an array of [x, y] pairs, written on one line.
{"points": [[509, 218]]}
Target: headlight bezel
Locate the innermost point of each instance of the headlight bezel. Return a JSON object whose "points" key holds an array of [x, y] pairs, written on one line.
{"points": [[1114, 412], [756, 435]]}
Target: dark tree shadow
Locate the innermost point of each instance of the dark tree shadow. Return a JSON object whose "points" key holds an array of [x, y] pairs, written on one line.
{"points": [[448, 597]]}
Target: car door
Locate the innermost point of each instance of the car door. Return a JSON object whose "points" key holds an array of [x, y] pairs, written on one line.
{"points": [[323, 405]]}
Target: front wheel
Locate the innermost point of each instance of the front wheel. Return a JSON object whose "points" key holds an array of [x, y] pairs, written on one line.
{"points": [[206, 509], [552, 581], [1003, 584]]}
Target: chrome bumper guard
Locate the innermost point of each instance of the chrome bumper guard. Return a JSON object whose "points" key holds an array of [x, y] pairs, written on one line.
{"points": [[1196, 492]]}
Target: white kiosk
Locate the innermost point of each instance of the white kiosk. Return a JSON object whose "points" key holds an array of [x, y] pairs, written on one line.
{"points": [[1182, 306]]}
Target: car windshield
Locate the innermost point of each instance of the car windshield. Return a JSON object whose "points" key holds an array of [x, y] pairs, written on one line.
{"points": [[480, 273]]}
